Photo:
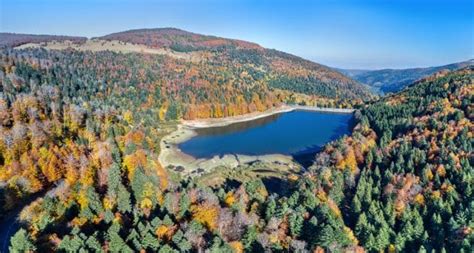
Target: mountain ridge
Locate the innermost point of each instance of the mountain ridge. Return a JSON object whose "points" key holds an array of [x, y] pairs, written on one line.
{"points": [[392, 80]]}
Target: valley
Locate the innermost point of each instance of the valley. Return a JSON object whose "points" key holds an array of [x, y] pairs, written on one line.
{"points": [[142, 141]]}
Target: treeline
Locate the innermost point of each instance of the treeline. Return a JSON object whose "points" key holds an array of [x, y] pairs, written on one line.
{"points": [[13, 39]]}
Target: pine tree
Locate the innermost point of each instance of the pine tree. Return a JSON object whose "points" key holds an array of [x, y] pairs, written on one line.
{"points": [[184, 204], [296, 223], [116, 243], [123, 200], [181, 242], [167, 249], [270, 209], [250, 238], [93, 244], [21, 242]]}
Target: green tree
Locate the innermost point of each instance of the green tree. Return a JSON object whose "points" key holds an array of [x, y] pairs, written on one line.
{"points": [[21, 242], [296, 223], [123, 200]]}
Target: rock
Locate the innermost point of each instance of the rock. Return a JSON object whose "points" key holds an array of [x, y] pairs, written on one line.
{"points": [[179, 168]]}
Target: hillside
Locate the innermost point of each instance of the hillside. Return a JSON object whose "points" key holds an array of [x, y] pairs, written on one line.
{"points": [[287, 72], [393, 80], [15, 39], [204, 76], [84, 127]]}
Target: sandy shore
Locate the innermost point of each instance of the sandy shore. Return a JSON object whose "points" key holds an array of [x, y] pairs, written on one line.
{"points": [[203, 123], [173, 158]]}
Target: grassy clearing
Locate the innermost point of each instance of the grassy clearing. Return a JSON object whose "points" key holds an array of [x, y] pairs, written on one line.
{"points": [[221, 175]]}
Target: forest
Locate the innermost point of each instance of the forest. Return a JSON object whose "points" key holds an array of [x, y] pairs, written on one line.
{"points": [[14, 39], [82, 130]]}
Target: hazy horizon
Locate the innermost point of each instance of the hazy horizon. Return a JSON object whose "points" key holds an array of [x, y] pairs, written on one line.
{"points": [[350, 35]]}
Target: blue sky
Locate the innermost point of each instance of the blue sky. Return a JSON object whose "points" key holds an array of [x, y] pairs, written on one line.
{"points": [[350, 34]]}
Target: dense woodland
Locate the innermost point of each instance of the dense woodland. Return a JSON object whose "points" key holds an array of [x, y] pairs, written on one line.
{"points": [[82, 130], [208, 84]]}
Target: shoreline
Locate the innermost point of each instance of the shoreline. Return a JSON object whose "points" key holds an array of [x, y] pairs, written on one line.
{"points": [[172, 158], [218, 122]]}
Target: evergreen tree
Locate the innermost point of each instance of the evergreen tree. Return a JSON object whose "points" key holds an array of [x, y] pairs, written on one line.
{"points": [[21, 242]]}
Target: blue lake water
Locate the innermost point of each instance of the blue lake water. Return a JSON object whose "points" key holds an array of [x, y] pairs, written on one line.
{"points": [[293, 133]]}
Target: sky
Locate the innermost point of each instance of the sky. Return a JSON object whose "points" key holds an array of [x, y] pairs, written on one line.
{"points": [[357, 34]]}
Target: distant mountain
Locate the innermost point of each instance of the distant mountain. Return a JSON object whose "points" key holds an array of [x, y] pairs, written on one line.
{"points": [[393, 80], [15, 39]]}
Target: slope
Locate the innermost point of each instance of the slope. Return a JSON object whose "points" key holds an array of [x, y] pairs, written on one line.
{"points": [[193, 76], [285, 71]]}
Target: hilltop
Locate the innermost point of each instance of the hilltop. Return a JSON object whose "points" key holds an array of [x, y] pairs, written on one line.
{"points": [[393, 80], [178, 40]]}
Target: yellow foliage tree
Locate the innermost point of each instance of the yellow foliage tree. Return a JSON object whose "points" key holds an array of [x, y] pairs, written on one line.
{"points": [[49, 164], [419, 199], [162, 111], [229, 199], [349, 161], [82, 199], [161, 231], [133, 161], [237, 246], [146, 203], [128, 116], [206, 214]]}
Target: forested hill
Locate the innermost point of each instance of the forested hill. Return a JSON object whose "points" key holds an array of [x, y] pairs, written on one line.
{"points": [[184, 75], [393, 80], [402, 182], [284, 71]]}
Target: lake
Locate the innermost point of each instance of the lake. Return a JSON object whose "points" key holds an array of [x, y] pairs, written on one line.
{"points": [[297, 133]]}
